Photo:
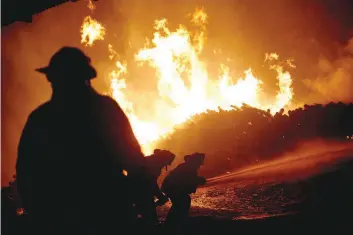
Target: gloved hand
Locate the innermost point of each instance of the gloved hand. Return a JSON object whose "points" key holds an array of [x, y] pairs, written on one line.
{"points": [[203, 180], [162, 199]]}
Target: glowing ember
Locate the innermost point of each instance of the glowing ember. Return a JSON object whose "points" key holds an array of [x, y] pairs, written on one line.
{"points": [[90, 5], [91, 30], [183, 83], [20, 211]]}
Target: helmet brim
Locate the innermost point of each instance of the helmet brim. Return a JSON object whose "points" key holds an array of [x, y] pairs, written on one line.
{"points": [[43, 70]]}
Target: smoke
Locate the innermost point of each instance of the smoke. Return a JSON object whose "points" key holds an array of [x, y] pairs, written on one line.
{"points": [[335, 79]]}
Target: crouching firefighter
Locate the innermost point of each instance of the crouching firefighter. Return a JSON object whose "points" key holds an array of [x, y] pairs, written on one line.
{"points": [[179, 184], [146, 201]]}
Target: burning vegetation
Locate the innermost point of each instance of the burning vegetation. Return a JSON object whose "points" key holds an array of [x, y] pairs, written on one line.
{"points": [[184, 86], [249, 136], [230, 118]]}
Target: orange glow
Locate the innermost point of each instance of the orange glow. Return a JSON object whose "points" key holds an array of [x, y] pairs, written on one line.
{"points": [[184, 85]]}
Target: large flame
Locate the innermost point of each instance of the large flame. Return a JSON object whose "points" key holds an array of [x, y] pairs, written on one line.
{"points": [[184, 86]]}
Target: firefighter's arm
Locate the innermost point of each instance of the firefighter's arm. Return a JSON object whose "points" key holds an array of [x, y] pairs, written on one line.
{"points": [[202, 180], [156, 191]]}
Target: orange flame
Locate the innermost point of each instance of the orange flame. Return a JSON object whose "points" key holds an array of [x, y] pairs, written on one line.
{"points": [[176, 57], [285, 93], [91, 30]]}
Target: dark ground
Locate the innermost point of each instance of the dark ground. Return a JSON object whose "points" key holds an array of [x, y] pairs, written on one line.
{"points": [[325, 208]]}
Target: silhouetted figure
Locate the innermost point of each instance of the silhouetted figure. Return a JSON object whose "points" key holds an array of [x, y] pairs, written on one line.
{"points": [[73, 152], [179, 184], [146, 205]]}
